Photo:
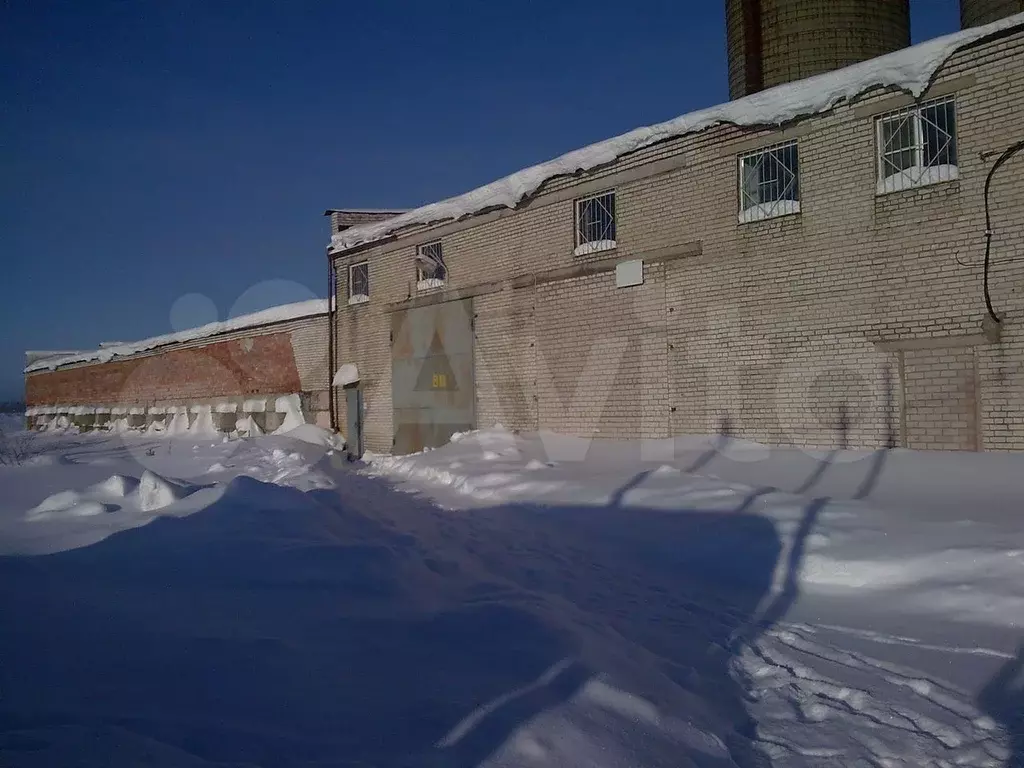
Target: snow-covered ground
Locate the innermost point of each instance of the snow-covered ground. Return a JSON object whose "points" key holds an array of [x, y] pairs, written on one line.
{"points": [[500, 601]]}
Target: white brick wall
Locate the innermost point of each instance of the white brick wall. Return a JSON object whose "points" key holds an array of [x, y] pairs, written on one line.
{"points": [[309, 343], [775, 324]]}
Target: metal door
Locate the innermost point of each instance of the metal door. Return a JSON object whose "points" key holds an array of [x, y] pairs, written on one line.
{"points": [[432, 386], [354, 422]]}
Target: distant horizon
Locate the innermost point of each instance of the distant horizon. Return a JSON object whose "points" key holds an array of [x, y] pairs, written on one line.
{"points": [[170, 168]]}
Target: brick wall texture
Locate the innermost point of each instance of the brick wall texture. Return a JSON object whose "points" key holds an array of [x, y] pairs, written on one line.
{"points": [[803, 38], [822, 328], [941, 403], [278, 359], [974, 13]]}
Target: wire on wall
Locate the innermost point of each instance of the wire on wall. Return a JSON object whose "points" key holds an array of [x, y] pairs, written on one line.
{"points": [[1006, 155]]}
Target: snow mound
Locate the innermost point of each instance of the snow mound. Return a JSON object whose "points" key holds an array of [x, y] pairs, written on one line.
{"points": [[203, 424], [117, 486], [909, 70], [179, 422], [476, 482], [291, 407], [119, 425], [58, 501], [314, 435], [60, 424], [81, 509], [281, 466], [247, 427], [65, 504], [535, 464], [282, 457], [216, 467], [156, 492]]}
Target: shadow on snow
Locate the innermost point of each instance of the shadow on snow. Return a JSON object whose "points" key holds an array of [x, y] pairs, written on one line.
{"points": [[363, 624], [1002, 699]]}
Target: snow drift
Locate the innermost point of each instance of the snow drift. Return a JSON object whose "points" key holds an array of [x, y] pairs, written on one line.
{"points": [[149, 493], [824, 610]]}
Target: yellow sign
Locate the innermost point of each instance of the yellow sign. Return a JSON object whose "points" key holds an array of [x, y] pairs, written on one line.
{"points": [[440, 381]]}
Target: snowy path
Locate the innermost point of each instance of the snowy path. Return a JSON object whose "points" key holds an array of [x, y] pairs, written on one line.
{"points": [[897, 643], [268, 605]]}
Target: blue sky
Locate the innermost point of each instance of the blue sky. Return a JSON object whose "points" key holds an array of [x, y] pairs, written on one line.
{"points": [[165, 162]]}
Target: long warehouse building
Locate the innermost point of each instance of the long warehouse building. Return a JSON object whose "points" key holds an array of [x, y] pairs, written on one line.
{"points": [[833, 261]]}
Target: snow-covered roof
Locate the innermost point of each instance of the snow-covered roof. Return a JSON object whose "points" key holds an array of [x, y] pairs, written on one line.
{"points": [[278, 314], [51, 352], [374, 211], [910, 70], [33, 356]]}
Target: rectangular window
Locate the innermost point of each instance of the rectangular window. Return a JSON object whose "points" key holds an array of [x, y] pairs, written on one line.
{"points": [[430, 269], [769, 182], [917, 146], [359, 283], [595, 223]]}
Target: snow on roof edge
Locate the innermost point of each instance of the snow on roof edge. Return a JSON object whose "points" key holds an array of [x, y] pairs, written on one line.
{"points": [[909, 69], [277, 314], [365, 210]]}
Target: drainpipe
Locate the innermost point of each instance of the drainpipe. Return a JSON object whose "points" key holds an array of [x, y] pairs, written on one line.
{"points": [[331, 301]]}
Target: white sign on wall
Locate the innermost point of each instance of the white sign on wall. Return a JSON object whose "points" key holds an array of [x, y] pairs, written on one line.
{"points": [[629, 273]]}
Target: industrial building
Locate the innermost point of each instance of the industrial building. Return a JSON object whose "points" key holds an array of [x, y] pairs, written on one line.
{"points": [[238, 375], [832, 261], [833, 258]]}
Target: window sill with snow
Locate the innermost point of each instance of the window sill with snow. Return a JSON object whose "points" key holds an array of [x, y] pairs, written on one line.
{"points": [[594, 246], [772, 210], [918, 177], [359, 298], [431, 283]]}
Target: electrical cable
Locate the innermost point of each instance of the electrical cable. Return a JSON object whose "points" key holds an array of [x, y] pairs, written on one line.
{"points": [[1007, 154]]}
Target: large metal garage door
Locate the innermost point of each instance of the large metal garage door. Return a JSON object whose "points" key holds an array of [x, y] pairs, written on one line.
{"points": [[432, 386]]}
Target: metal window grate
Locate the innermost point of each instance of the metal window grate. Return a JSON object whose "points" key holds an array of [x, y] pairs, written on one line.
{"points": [[359, 279], [769, 182], [430, 262], [595, 219], [917, 146]]}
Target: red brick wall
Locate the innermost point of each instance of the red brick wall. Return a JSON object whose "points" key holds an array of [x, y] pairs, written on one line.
{"points": [[256, 365]]}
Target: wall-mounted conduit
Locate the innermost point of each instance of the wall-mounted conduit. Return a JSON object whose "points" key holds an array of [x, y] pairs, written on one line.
{"points": [[1006, 155]]}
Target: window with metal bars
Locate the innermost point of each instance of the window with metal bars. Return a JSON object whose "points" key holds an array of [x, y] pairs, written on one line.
{"points": [[359, 283], [430, 269], [595, 223], [769, 182], [917, 146]]}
